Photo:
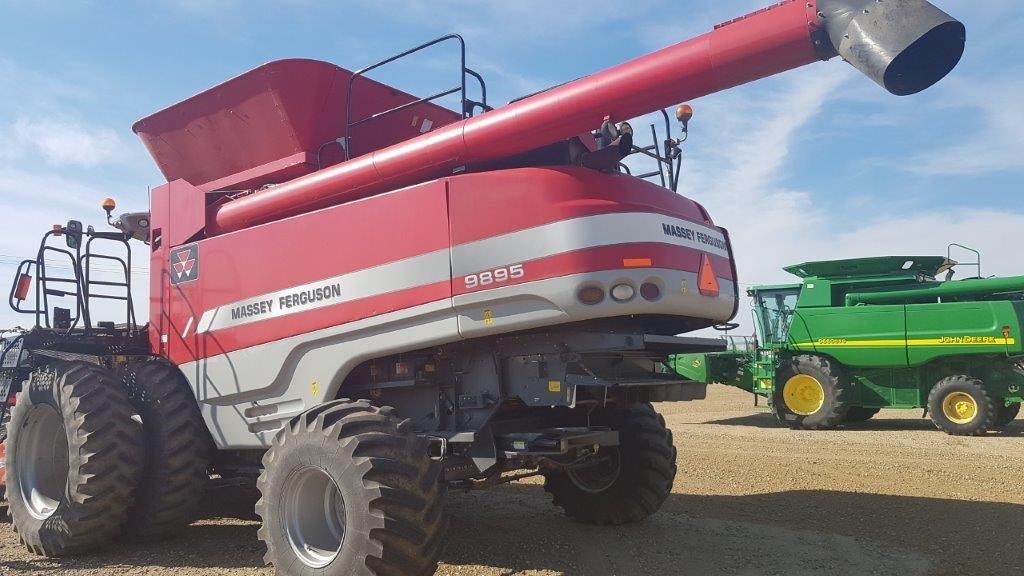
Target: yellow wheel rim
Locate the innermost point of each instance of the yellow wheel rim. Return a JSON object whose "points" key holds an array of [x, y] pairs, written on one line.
{"points": [[803, 394], [959, 407]]}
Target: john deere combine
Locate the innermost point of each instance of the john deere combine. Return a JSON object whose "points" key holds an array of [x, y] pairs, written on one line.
{"points": [[856, 336]]}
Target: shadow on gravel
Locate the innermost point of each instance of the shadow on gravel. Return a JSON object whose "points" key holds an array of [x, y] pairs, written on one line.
{"points": [[514, 529], [878, 424], [787, 533]]}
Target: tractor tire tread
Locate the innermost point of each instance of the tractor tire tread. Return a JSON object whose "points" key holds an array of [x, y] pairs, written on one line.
{"points": [[105, 465], [178, 449], [403, 493]]}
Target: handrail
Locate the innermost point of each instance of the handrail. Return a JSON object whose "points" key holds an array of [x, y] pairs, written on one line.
{"points": [[467, 105], [87, 281]]}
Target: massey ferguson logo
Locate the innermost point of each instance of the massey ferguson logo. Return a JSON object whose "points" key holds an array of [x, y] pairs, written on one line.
{"points": [[184, 264]]}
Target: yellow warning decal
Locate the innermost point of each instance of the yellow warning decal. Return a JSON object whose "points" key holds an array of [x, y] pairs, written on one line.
{"points": [[488, 317], [554, 386]]}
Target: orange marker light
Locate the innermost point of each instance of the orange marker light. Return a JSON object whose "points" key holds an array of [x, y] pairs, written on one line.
{"points": [[707, 281], [21, 292], [637, 263]]}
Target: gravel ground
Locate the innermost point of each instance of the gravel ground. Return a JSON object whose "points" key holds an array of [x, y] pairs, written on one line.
{"points": [[891, 497]]}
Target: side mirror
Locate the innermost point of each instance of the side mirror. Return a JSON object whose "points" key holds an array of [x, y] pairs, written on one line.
{"points": [[73, 234]]}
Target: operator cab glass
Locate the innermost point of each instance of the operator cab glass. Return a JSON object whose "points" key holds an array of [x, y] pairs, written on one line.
{"points": [[773, 310]]}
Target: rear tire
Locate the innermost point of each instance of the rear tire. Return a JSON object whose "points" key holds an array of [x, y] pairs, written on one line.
{"points": [[1006, 414], [860, 414], [637, 476], [177, 451], [366, 466], [810, 393], [960, 405], [74, 459]]}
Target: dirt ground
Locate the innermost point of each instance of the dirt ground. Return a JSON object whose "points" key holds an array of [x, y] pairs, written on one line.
{"points": [[891, 497]]}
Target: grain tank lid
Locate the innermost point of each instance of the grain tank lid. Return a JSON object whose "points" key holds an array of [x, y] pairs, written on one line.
{"points": [[272, 118], [911, 266]]}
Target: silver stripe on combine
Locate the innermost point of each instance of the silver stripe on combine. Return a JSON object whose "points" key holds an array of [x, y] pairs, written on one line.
{"points": [[488, 253], [419, 270], [578, 234]]}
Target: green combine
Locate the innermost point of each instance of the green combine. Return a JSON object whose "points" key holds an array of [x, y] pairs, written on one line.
{"points": [[856, 336]]}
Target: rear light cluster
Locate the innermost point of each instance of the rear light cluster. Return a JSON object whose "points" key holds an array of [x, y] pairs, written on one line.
{"points": [[621, 292]]}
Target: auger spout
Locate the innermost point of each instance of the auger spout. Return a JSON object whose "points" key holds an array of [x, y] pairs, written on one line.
{"points": [[904, 45]]}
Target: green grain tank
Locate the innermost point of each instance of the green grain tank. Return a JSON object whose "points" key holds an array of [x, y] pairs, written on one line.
{"points": [[856, 336]]}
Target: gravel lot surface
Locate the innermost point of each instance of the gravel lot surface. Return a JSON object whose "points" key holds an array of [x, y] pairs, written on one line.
{"points": [[890, 497]]}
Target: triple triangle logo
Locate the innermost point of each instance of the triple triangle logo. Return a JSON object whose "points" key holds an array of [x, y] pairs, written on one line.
{"points": [[184, 264]]}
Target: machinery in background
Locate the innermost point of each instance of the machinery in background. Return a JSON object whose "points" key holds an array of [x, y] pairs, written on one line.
{"points": [[856, 336]]}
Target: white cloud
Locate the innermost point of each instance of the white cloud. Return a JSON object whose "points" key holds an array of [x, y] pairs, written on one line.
{"points": [[65, 143], [996, 144]]}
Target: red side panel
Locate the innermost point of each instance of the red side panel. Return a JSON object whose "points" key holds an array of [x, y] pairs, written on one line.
{"points": [[307, 250], [493, 203], [524, 201]]}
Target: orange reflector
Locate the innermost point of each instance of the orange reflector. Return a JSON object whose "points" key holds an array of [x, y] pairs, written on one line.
{"points": [[21, 292], [637, 263], [707, 280]]}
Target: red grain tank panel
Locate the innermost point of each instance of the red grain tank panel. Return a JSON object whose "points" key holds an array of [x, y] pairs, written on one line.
{"points": [[267, 125]]}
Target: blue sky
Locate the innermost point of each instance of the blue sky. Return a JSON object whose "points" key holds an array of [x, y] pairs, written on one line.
{"points": [[814, 164]]}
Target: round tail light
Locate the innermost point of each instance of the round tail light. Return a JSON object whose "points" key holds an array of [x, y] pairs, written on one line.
{"points": [[623, 292], [650, 291], [590, 295]]}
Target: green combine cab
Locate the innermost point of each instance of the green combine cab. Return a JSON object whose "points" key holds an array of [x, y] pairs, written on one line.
{"points": [[856, 336]]}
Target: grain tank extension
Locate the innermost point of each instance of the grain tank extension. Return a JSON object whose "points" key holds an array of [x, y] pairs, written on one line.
{"points": [[360, 298]]}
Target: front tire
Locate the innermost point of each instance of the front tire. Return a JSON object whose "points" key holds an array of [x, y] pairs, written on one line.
{"points": [[348, 489], [177, 451], [960, 405], [629, 482], [810, 393], [74, 459]]}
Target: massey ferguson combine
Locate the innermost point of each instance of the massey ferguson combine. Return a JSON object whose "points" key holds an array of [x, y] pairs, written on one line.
{"points": [[363, 299]]}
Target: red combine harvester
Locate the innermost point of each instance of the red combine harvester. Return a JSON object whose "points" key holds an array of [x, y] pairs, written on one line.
{"points": [[362, 298]]}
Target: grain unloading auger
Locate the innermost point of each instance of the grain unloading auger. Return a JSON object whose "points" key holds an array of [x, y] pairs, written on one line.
{"points": [[492, 290], [904, 45]]}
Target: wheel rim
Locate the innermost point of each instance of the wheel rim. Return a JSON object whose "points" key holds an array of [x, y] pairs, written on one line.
{"points": [[42, 460], [598, 475], [959, 407], [803, 394], [314, 516]]}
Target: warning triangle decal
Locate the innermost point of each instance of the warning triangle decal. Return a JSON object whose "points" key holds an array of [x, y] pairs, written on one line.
{"points": [[707, 280]]}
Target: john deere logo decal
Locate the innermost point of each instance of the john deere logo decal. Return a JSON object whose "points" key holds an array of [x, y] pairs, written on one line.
{"points": [[184, 264]]}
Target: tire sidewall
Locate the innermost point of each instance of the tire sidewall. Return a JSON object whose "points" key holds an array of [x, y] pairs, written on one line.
{"points": [[982, 421], [832, 411], [303, 451], [42, 389]]}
